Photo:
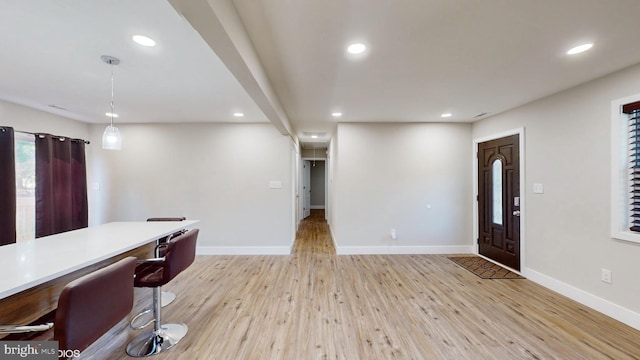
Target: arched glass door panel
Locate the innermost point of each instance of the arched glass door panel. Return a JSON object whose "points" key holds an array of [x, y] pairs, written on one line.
{"points": [[496, 178]]}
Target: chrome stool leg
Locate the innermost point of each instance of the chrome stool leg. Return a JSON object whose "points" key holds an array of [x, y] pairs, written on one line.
{"points": [[163, 336], [166, 298]]}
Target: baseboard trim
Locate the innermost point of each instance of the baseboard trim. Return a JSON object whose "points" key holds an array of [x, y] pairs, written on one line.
{"points": [[404, 250], [599, 304], [333, 238], [316, 207], [243, 250]]}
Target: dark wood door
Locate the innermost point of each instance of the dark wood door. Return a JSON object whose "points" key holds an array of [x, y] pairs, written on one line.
{"points": [[499, 200]]}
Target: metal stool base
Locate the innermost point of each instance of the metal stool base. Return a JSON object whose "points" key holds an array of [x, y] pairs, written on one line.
{"points": [[167, 298], [152, 342]]}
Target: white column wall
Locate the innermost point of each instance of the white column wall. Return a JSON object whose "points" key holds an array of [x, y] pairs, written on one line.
{"points": [[414, 178]]}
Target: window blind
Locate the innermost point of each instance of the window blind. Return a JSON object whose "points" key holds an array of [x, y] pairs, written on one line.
{"points": [[633, 111]]}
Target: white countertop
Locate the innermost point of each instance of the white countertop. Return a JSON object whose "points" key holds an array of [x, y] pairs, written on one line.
{"points": [[30, 263]]}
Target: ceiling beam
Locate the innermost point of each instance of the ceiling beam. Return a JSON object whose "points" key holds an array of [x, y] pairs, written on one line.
{"points": [[218, 23]]}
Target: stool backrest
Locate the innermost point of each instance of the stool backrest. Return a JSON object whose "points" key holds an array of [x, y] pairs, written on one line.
{"points": [[160, 251], [158, 219], [180, 254], [91, 305]]}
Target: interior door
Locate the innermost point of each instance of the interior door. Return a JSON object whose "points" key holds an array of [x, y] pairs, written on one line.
{"points": [[306, 188], [499, 200]]}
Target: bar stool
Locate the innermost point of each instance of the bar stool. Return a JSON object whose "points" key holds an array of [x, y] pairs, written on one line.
{"points": [[91, 305], [167, 297], [153, 273], [88, 307]]}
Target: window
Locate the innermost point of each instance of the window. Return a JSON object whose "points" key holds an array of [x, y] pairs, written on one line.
{"points": [[632, 112], [25, 152], [44, 187], [625, 169]]}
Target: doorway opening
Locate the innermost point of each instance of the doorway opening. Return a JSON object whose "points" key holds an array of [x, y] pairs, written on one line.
{"points": [[313, 186]]}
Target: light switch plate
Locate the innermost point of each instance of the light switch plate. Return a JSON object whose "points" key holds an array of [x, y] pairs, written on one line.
{"points": [[605, 275], [538, 188]]}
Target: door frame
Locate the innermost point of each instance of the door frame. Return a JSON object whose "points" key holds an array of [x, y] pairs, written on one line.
{"points": [[523, 212], [300, 197], [303, 196]]}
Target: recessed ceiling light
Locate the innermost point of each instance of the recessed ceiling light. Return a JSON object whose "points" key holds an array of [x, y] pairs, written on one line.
{"points": [[357, 48], [314, 136], [143, 40], [238, 114], [446, 115], [580, 48], [336, 114], [110, 114]]}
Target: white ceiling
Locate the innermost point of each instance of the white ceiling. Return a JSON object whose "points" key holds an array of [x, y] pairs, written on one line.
{"points": [[50, 55], [425, 57]]}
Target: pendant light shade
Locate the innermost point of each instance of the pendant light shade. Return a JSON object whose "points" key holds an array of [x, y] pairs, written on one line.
{"points": [[111, 139]]}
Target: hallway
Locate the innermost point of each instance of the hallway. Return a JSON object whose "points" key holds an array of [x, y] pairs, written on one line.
{"points": [[313, 236]]}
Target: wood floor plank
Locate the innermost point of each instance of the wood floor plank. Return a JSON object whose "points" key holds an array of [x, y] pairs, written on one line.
{"points": [[314, 304]]}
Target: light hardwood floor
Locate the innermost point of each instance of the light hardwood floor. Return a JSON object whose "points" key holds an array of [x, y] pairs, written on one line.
{"points": [[314, 304]]}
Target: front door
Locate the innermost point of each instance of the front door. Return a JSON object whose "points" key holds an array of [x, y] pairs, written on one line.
{"points": [[499, 200]]}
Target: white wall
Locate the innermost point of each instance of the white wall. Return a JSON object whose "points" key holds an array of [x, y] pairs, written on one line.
{"points": [[26, 119], [415, 178], [216, 173], [567, 227]]}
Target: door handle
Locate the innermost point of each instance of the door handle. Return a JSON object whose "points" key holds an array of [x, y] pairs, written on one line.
{"points": [[516, 212]]}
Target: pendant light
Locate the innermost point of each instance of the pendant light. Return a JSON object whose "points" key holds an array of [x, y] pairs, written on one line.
{"points": [[111, 139]]}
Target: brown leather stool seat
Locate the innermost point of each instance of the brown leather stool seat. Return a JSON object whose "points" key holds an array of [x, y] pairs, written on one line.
{"points": [[153, 273]]}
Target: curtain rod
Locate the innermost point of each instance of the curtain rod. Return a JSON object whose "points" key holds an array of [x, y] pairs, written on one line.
{"points": [[87, 142]]}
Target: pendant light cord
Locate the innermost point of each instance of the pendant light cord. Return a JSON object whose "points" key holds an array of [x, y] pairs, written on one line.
{"points": [[113, 107]]}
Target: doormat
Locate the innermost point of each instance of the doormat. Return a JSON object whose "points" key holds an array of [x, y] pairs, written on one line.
{"points": [[483, 268]]}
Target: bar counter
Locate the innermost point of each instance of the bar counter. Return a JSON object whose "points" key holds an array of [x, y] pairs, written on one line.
{"points": [[33, 272]]}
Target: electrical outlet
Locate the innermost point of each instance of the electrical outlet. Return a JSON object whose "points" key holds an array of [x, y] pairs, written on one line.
{"points": [[605, 275], [393, 234]]}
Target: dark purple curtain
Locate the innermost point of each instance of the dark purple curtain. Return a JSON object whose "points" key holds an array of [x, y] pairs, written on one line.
{"points": [[61, 185], [7, 187]]}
